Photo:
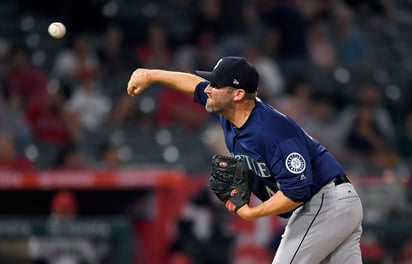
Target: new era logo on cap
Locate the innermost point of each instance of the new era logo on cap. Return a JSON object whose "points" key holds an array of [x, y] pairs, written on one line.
{"points": [[233, 71]]}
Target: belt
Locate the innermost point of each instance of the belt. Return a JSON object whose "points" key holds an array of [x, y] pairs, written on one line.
{"points": [[340, 179]]}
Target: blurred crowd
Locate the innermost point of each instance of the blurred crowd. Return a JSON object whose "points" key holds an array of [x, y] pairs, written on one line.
{"points": [[341, 69], [327, 64]]}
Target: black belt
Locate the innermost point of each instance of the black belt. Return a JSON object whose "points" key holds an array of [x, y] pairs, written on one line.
{"points": [[340, 179]]}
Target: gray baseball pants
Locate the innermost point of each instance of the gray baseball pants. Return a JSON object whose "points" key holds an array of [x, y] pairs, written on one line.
{"points": [[326, 229]]}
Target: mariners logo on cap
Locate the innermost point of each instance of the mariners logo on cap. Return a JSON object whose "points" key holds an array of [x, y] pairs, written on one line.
{"points": [[295, 163]]}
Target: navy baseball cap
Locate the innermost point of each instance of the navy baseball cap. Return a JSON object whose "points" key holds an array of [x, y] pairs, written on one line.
{"points": [[232, 71]]}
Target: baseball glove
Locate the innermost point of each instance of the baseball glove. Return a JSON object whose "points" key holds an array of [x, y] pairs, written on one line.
{"points": [[231, 181]]}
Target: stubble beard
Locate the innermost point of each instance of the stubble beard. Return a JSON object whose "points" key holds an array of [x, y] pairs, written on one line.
{"points": [[217, 109], [209, 108]]}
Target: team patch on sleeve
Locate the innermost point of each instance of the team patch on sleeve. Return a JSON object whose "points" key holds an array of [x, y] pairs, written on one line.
{"points": [[295, 163]]}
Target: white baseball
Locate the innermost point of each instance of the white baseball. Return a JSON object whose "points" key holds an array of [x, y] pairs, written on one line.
{"points": [[57, 30]]}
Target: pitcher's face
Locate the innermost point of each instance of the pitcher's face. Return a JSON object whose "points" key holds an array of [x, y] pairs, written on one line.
{"points": [[219, 98]]}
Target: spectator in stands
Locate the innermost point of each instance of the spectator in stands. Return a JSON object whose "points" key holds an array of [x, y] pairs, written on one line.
{"points": [[178, 17], [322, 122], [116, 59], [321, 49], [108, 156], [287, 23], [223, 24], [72, 158], [72, 62], [369, 95], [315, 10], [296, 100], [253, 24], [155, 52], [10, 160], [12, 120], [25, 84], [366, 141], [53, 127], [123, 111], [214, 139], [113, 55], [207, 19], [176, 108], [368, 127], [272, 82], [208, 51], [232, 32], [350, 44], [88, 102]]}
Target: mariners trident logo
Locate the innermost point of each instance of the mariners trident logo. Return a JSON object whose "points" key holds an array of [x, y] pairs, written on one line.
{"points": [[295, 163]]}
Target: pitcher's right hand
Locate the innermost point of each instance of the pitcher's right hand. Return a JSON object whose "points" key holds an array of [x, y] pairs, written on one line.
{"points": [[139, 81]]}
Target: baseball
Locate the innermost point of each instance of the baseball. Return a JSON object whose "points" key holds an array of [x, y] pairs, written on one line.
{"points": [[57, 30]]}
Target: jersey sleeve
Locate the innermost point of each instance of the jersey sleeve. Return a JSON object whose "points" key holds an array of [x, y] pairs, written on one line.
{"points": [[200, 96], [292, 169]]}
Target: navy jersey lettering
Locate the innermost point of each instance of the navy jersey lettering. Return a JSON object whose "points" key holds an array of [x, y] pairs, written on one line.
{"points": [[278, 150]]}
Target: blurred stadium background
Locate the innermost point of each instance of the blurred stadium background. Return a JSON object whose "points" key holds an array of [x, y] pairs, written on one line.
{"points": [[89, 175]]}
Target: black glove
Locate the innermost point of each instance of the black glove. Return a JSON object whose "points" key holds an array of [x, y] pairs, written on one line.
{"points": [[231, 181]]}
